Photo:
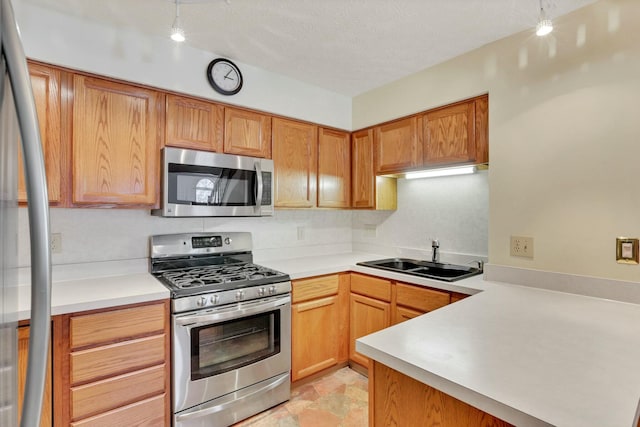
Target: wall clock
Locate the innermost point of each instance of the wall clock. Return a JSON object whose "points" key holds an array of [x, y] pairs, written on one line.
{"points": [[224, 76]]}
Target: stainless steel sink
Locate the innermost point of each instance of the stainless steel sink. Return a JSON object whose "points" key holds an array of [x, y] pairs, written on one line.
{"points": [[431, 270]]}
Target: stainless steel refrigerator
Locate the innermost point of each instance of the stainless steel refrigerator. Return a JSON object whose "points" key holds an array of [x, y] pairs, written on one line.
{"points": [[19, 122]]}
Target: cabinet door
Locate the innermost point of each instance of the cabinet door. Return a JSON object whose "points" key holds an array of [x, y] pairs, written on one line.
{"points": [[23, 353], [367, 315], [247, 133], [45, 83], [363, 188], [315, 336], [115, 143], [295, 158], [397, 146], [482, 129], [449, 135], [334, 169], [195, 124], [401, 314]]}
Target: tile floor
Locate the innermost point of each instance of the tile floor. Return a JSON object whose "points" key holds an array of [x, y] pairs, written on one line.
{"points": [[338, 399]]}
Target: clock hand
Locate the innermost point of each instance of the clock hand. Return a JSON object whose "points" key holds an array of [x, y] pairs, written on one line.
{"points": [[227, 75], [229, 78]]}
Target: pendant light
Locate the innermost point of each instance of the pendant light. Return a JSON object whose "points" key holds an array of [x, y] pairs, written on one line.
{"points": [[545, 26], [177, 33]]}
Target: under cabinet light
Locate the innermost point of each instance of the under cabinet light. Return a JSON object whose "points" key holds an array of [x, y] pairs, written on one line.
{"points": [[441, 172]]}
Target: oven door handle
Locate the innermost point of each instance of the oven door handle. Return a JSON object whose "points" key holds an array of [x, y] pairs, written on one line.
{"points": [[234, 312], [236, 399]]}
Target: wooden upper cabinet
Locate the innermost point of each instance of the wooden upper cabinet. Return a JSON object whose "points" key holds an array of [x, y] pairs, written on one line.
{"points": [[192, 123], [116, 138], [334, 169], [45, 82], [456, 134], [397, 146], [363, 177], [247, 133], [449, 134], [482, 129], [295, 158]]}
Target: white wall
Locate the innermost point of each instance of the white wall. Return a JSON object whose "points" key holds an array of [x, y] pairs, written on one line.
{"points": [[63, 40], [564, 130]]}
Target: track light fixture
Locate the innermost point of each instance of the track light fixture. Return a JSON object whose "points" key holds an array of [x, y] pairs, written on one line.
{"points": [[177, 33], [545, 26]]}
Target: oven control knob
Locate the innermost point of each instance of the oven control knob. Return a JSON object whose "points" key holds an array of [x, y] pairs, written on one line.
{"points": [[227, 241], [239, 295], [215, 299], [272, 290], [261, 292], [201, 302]]}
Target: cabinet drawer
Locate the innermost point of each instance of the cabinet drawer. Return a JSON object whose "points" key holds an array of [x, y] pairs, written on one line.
{"points": [[101, 396], [110, 326], [420, 298], [371, 286], [315, 287], [149, 412], [114, 359]]}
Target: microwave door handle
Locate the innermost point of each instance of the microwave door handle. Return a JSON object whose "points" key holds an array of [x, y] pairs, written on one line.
{"points": [[258, 168]]}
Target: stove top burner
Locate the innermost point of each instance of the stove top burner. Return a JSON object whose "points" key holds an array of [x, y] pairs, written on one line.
{"points": [[216, 276]]}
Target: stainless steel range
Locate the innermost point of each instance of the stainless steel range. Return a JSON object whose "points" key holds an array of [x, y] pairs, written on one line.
{"points": [[231, 327]]}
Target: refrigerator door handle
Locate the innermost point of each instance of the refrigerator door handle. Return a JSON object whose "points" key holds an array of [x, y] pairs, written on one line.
{"points": [[36, 185]]}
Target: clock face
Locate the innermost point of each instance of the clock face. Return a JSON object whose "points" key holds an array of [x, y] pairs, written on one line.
{"points": [[224, 76]]}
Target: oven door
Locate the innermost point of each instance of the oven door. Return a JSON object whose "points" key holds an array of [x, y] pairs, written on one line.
{"points": [[222, 350]]}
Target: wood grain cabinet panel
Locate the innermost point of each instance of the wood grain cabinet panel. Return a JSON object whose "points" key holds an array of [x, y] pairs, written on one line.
{"points": [[295, 158], [115, 367], [145, 413], [363, 189], [247, 133], [114, 359], [334, 169], [398, 400], [449, 135], [315, 334], [401, 314], [370, 286], [397, 147], [315, 287], [193, 123], [46, 415], [482, 129], [45, 82], [367, 315], [115, 143], [420, 298], [101, 396], [116, 325]]}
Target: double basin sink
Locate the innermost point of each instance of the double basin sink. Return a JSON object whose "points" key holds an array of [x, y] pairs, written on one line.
{"points": [[428, 269]]}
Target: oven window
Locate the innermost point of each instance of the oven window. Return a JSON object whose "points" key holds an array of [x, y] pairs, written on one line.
{"points": [[229, 345]]}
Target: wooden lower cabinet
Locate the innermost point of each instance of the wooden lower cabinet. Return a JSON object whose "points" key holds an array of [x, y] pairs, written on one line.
{"points": [[369, 310], [115, 366], [412, 301], [23, 354], [318, 324], [398, 400]]}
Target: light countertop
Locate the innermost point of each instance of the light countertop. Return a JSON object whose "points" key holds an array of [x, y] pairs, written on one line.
{"points": [[528, 356]]}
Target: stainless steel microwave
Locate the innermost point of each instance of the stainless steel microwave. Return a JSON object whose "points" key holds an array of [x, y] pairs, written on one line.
{"points": [[201, 183]]}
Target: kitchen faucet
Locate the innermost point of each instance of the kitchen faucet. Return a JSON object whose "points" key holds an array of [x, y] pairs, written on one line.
{"points": [[435, 245]]}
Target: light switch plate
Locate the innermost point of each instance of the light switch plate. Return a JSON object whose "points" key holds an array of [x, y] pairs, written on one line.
{"points": [[627, 250]]}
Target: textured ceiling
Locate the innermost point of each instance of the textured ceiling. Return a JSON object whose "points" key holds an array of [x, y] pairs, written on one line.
{"points": [[347, 46]]}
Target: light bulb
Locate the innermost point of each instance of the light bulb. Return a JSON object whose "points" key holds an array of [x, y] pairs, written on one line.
{"points": [[177, 33], [544, 27]]}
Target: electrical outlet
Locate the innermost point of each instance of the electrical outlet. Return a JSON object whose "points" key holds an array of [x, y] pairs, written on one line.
{"points": [[300, 231], [522, 246], [56, 243]]}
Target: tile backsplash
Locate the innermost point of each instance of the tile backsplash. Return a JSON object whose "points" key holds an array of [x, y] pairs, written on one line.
{"points": [[453, 209]]}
